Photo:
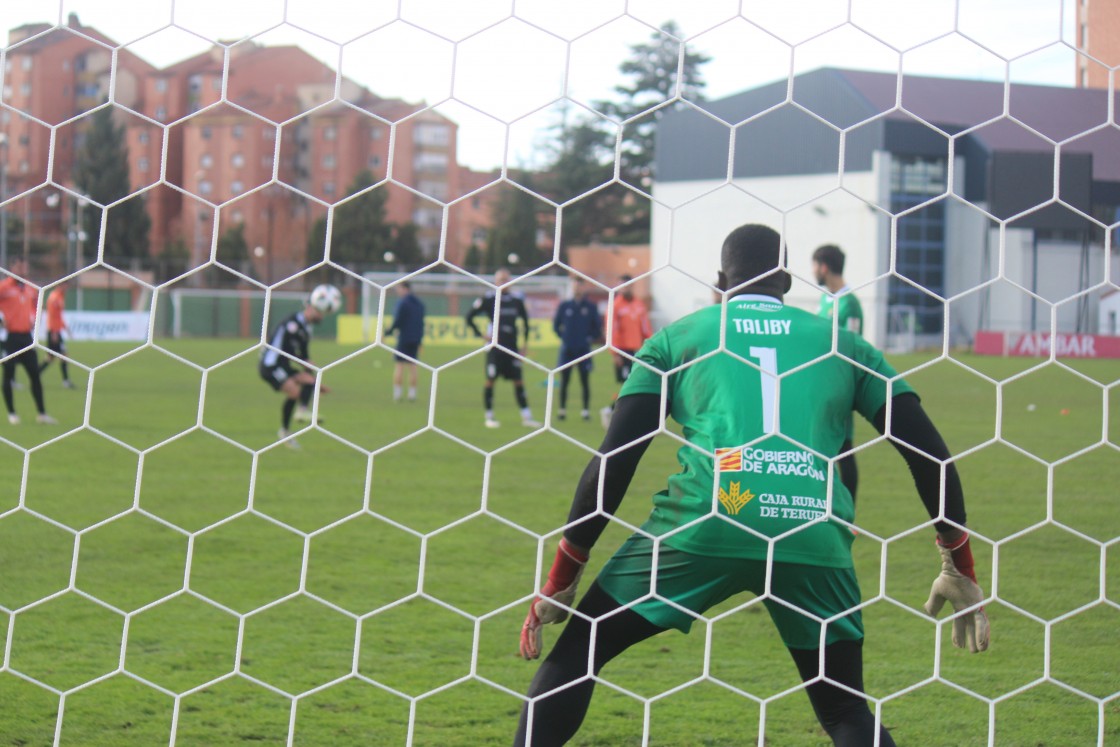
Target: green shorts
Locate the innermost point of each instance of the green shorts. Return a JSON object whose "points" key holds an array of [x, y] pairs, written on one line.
{"points": [[688, 585]]}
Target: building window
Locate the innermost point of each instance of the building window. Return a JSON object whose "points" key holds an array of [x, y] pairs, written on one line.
{"points": [[206, 160], [920, 244], [268, 133], [432, 133], [237, 160], [328, 161], [236, 187], [216, 84], [375, 162], [918, 176], [26, 62], [205, 187], [161, 85], [431, 162], [142, 163], [328, 188], [161, 113], [143, 137], [207, 132], [375, 133], [25, 89], [238, 132], [330, 132], [434, 188]]}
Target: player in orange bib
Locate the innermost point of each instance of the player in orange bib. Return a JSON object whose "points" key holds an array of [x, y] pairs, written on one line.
{"points": [[630, 329], [17, 303], [56, 325]]}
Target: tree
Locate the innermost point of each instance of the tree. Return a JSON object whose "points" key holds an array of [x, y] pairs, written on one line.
{"points": [[405, 245], [659, 70], [360, 233], [174, 260], [582, 163], [101, 173], [473, 258], [233, 249], [515, 227], [583, 155]]}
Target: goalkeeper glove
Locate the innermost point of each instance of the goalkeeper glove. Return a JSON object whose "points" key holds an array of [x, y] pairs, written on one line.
{"points": [[957, 585], [563, 578]]}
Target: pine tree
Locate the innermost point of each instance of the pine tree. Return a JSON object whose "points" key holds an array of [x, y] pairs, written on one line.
{"points": [[583, 157], [659, 70], [101, 173]]}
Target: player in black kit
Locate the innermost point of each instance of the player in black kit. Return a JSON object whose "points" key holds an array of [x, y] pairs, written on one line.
{"points": [[286, 363], [502, 359]]}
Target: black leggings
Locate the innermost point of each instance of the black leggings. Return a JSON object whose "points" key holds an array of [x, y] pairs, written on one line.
{"points": [[29, 359], [556, 718]]}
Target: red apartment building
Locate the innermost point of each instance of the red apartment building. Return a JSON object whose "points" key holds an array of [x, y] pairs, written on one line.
{"points": [[1098, 34], [253, 135]]}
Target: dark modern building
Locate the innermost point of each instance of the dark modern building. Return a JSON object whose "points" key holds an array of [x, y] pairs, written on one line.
{"points": [[962, 204]]}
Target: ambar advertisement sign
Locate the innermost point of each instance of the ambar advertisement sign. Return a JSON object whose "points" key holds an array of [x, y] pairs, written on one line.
{"points": [[1039, 344]]}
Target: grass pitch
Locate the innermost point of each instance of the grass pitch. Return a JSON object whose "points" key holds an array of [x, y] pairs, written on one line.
{"points": [[169, 575]]}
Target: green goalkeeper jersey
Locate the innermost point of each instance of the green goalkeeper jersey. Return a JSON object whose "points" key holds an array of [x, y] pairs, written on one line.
{"points": [[761, 418], [846, 307]]}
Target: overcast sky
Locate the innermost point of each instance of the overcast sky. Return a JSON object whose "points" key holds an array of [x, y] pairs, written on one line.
{"points": [[497, 67]]}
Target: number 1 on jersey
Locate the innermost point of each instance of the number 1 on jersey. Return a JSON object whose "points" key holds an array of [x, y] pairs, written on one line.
{"points": [[768, 379]]}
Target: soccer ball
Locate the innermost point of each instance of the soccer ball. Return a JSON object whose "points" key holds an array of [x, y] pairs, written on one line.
{"points": [[326, 299]]}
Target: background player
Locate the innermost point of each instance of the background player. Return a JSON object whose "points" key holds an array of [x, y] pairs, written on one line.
{"points": [[839, 301], [578, 325], [289, 347], [696, 534], [17, 305], [501, 358], [630, 328], [408, 324], [56, 325]]}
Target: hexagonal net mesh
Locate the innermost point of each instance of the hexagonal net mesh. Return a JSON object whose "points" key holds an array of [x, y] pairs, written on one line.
{"points": [[190, 557]]}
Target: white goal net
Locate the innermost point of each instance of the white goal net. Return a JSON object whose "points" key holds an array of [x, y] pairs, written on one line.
{"points": [[175, 570]]}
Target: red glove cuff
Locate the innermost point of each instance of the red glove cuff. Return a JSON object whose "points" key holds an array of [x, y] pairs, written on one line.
{"points": [[565, 567], [961, 553]]}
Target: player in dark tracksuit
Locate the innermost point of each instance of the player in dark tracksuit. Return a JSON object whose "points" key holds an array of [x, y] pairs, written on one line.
{"points": [[408, 324], [577, 323]]}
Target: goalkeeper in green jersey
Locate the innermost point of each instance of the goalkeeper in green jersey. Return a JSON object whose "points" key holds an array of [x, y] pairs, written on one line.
{"points": [[763, 399], [840, 302]]}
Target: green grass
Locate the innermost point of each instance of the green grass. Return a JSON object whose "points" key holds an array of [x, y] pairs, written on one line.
{"points": [[167, 575]]}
